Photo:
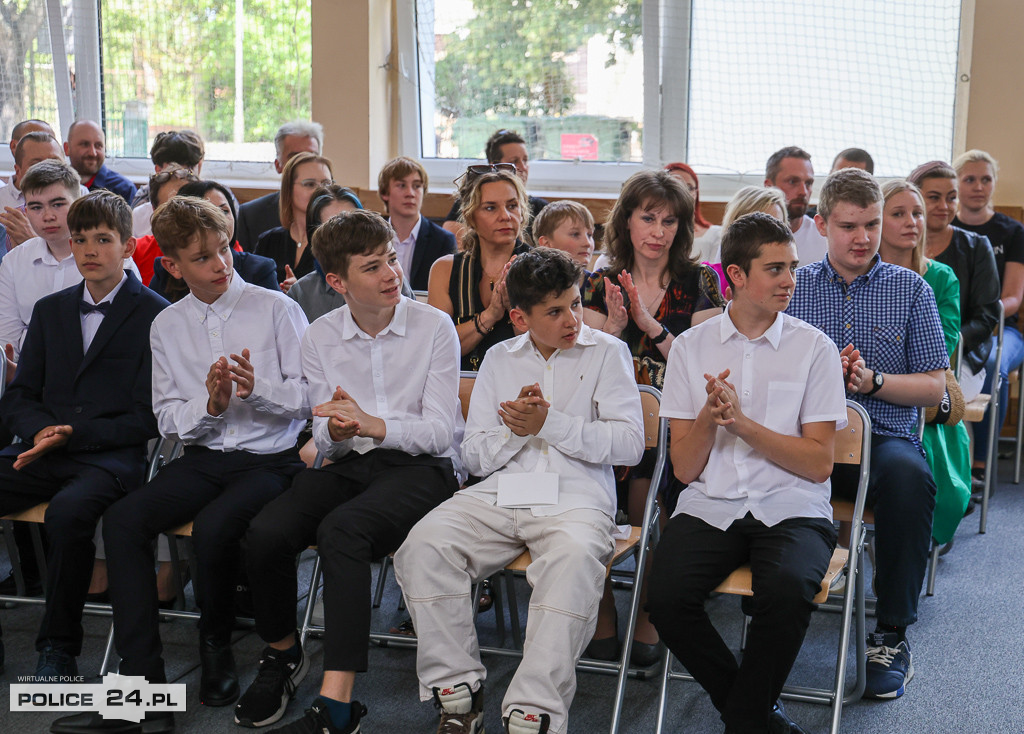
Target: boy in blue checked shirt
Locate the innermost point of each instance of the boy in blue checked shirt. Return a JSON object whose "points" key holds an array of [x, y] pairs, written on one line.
{"points": [[885, 319]]}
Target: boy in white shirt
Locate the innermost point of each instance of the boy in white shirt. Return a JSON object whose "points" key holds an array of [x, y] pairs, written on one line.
{"points": [[227, 381], [755, 397], [557, 439], [383, 373]]}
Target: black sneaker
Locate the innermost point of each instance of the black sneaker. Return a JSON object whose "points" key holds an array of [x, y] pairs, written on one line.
{"points": [[55, 666], [317, 720], [267, 697]]}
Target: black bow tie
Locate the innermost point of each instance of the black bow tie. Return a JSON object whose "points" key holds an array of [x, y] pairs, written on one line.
{"points": [[87, 308]]}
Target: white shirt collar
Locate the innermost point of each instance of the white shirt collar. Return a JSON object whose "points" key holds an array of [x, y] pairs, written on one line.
{"points": [[87, 296], [728, 329], [350, 329], [413, 235], [523, 341], [223, 306]]}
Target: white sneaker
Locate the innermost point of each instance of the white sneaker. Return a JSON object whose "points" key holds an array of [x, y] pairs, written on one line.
{"points": [[461, 709], [519, 722]]}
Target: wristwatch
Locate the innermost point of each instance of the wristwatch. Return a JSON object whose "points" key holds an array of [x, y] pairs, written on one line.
{"points": [[662, 336], [877, 380]]}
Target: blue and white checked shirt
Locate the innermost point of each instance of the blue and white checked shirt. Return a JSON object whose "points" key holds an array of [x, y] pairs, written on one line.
{"points": [[889, 314]]}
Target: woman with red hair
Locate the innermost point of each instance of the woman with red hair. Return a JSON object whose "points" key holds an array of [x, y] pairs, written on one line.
{"points": [[706, 236]]}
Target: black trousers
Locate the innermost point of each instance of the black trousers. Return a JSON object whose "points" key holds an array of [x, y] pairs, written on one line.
{"points": [[220, 492], [787, 563], [78, 495], [355, 511]]}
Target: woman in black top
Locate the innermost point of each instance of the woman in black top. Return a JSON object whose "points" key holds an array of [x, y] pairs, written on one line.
{"points": [[977, 172], [470, 285], [288, 245]]}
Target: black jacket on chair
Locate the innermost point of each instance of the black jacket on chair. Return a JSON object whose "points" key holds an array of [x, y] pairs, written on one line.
{"points": [[970, 255]]}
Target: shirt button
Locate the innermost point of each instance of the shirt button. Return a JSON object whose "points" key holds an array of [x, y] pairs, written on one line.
{"points": [[847, 326], [746, 392], [747, 356], [78, 409], [214, 333]]}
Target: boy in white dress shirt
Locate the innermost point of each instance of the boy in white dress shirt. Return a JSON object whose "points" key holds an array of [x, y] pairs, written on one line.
{"points": [[755, 397], [227, 381], [383, 373], [546, 450]]}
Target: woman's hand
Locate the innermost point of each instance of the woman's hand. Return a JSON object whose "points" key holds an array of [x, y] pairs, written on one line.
{"points": [[618, 316], [637, 310]]}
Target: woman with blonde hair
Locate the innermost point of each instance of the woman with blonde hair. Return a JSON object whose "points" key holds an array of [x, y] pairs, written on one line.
{"points": [[288, 245], [947, 446], [977, 172], [469, 286]]}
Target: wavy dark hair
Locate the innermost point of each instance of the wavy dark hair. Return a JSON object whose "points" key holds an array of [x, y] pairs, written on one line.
{"points": [[650, 190], [198, 189]]}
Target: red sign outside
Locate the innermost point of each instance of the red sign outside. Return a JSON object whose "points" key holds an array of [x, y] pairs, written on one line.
{"points": [[579, 145]]}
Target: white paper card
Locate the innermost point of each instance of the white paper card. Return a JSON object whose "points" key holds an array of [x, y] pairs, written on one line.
{"points": [[535, 489]]}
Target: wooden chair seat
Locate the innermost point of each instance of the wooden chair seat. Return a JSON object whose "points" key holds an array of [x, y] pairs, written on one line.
{"points": [[33, 514], [739, 581], [622, 548], [842, 511]]}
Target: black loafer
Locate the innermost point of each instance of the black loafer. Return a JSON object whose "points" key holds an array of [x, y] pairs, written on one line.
{"points": [[154, 723], [780, 723], [607, 648], [644, 654], [218, 685]]}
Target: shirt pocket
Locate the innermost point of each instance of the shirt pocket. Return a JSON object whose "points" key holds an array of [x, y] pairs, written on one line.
{"points": [[888, 349], [783, 408]]}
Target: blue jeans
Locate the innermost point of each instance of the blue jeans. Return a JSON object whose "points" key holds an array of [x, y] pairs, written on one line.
{"points": [[1013, 356], [901, 491]]}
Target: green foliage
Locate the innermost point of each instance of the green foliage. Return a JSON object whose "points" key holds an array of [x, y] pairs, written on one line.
{"points": [[510, 57], [178, 56]]}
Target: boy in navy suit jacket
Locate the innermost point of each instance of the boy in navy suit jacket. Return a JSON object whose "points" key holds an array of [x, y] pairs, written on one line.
{"points": [[401, 184], [80, 401]]}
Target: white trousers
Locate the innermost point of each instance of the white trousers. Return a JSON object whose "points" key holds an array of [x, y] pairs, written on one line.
{"points": [[465, 539]]}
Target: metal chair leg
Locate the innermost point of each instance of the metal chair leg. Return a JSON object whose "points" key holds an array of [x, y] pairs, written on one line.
{"points": [[108, 652], [933, 563]]}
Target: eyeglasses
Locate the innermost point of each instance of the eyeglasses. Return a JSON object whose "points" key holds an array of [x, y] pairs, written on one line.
{"points": [[182, 174], [312, 183], [479, 169]]}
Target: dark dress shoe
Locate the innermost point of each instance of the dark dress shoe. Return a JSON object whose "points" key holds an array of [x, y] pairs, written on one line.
{"points": [[154, 723], [218, 685], [780, 723], [644, 654], [607, 648]]}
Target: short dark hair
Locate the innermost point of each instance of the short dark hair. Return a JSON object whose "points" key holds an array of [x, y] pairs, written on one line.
{"points": [[200, 188], [771, 168], [99, 208], [856, 155], [177, 223], [37, 136], [49, 172], [321, 197], [183, 147], [362, 232], [538, 274], [743, 239], [493, 148]]}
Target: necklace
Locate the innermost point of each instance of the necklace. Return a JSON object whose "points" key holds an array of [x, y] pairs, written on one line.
{"points": [[652, 306]]}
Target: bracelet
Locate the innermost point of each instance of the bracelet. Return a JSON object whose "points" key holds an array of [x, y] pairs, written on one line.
{"points": [[662, 336], [476, 325]]}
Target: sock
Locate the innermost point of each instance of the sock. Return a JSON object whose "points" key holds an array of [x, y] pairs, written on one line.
{"points": [[339, 711], [291, 655], [901, 632]]}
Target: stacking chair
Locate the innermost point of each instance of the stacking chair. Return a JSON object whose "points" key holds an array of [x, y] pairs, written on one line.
{"points": [[853, 446]]}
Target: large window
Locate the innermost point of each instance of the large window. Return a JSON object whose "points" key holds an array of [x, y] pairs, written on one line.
{"points": [[233, 70], [725, 82], [566, 74]]}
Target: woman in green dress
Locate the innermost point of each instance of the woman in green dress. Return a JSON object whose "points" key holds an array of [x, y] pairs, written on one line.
{"points": [[947, 446]]}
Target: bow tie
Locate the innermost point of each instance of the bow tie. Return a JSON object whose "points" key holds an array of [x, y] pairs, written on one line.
{"points": [[87, 308]]}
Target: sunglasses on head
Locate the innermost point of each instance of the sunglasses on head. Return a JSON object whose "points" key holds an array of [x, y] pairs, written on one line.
{"points": [[479, 169]]}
